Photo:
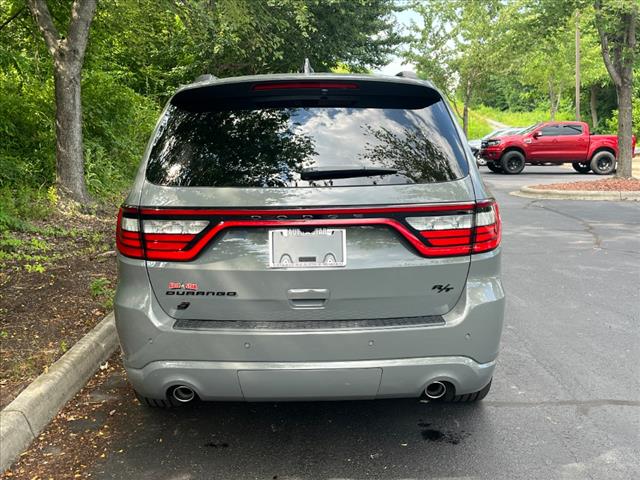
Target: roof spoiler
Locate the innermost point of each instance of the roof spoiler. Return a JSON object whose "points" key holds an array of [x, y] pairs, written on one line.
{"points": [[407, 74], [205, 78]]}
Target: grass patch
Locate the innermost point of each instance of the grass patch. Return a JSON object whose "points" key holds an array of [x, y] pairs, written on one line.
{"points": [[520, 119], [478, 126], [102, 290]]}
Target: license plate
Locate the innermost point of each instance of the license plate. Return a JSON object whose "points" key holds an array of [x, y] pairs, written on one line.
{"points": [[297, 248]]}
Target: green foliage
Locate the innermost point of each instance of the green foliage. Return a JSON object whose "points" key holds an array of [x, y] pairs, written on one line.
{"points": [[138, 54], [611, 124], [518, 55], [31, 251], [520, 119], [22, 202], [99, 287], [35, 268], [478, 125]]}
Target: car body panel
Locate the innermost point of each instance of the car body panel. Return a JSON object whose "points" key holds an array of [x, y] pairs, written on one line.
{"points": [[260, 344]]}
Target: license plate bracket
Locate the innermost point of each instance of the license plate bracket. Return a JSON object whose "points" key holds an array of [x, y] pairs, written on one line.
{"points": [[307, 248]]}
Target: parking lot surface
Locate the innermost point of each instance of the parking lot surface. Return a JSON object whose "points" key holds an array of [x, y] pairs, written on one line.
{"points": [[565, 401]]}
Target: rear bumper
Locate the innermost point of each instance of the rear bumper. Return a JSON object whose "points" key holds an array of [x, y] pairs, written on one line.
{"points": [[260, 381], [268, 364]]}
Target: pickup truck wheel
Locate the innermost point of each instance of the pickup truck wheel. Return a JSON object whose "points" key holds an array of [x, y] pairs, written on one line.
{"points": [[512, 162], [581, 167], [481, 161], [603, 163], [494, 167]]}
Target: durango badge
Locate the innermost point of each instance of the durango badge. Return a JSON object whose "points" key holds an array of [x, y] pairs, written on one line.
{"points": [[179, 288]]}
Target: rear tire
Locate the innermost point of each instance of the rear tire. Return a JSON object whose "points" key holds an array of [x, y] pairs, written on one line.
{"points": [[581, 167], [512, 162], [603, 163], [494, 167], [481, 162]]}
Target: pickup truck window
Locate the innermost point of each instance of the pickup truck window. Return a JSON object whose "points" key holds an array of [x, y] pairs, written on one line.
{"points": [[561, 130], [550, 131], [571, 129]]}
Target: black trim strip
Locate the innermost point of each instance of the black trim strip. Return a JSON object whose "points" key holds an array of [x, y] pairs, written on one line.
{"points": [[428, 320]]}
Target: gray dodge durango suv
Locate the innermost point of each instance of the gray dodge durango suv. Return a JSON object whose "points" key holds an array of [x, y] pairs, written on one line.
{"points": [[308, 237]]}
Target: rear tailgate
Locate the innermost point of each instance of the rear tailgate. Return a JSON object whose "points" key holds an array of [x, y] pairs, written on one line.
{"points": [[384, 275], [225, 173]]}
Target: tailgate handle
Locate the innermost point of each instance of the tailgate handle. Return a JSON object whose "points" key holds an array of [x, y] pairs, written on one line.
{"points": [[308, 297]]}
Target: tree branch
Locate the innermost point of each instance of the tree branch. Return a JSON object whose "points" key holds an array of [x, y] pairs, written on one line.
{"points": [[42, 16], [11, 18], [604, 44], [82, 13]]}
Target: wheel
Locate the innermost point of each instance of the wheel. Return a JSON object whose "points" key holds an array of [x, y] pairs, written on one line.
{"points": [[481, 161], [494, 167], [581, 167], [168, 402], [603, 163], [512, 162]]}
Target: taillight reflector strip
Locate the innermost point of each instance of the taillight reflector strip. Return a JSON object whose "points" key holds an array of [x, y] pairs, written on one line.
{"points": [[435, 230]]}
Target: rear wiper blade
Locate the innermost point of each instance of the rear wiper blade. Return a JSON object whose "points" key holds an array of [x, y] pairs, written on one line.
{"points": [[325, 173]]}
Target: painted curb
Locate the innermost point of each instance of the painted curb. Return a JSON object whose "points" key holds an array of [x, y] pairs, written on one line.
{"points": [[531, 192], [23, 419]]}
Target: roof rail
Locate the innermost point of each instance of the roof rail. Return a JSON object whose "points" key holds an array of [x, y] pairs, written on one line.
{"points": [[306, 67], [205, 77], [407, 74]]}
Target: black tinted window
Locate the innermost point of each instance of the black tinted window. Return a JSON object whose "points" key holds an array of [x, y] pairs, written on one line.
{"points": [[270, 147], [550, 131], [572, 129]]}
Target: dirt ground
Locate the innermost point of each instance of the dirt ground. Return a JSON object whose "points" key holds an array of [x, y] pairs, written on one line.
{"points": [[80, 435], [57, 279]]}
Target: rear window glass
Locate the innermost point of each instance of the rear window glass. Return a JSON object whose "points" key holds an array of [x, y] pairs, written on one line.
{"points": [[274, 147]]}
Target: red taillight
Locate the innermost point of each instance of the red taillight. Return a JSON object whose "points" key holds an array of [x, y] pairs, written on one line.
{"points": [[461, 234], [437, 230], [128, 238], [488, 227], [304, 86]]}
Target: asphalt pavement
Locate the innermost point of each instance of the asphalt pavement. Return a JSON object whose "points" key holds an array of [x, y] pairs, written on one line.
{"points": [[565, 401]]}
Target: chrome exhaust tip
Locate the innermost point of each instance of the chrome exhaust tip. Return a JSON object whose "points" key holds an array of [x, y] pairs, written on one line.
{"points": [[183, 394], [435, 390]]}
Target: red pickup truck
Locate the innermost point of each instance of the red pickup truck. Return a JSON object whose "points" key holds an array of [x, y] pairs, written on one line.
{"points": [[552, 142]]}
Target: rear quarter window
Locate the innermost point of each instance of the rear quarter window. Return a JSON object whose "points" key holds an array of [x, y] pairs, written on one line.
{"points": [[270, 147]]}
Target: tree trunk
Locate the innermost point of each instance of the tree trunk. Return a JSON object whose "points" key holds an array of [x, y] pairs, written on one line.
{"points": [[593, 103], [69, 148], [618, 52], [552, 103], [465, 110], [578, 65], [465, 118], [68, 53], [625, 155]]}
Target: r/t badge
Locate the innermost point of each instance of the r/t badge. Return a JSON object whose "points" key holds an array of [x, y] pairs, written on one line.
{"points": [[442, 288]]}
